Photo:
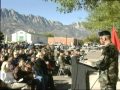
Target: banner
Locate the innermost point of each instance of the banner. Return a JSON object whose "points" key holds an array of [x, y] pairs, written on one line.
{"points": [[115, 39]]}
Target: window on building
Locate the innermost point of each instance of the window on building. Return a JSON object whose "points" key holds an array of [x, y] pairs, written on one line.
{"points": [[21, 32]]}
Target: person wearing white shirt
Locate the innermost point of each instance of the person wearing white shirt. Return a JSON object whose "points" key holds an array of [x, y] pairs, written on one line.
{"points": [[7, 76]]}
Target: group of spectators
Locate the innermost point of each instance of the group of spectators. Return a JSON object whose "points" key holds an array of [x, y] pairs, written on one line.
{"points": [[25, 66]]}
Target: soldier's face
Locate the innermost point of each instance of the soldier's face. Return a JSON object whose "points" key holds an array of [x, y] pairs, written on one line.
{"points": [[102, 39]]}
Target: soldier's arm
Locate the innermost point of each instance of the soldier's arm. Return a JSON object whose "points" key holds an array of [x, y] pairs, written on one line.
{"points": [[107, 54], [97, 63]]}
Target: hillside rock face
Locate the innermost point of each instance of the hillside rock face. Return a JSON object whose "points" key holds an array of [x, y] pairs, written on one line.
{"points": [[12, 21]]}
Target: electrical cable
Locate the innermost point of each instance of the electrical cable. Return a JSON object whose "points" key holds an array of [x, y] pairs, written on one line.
{"points": [[96, 81]]}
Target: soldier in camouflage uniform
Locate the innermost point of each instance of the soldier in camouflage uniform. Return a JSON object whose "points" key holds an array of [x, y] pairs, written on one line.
{"points": [[108, 66]]}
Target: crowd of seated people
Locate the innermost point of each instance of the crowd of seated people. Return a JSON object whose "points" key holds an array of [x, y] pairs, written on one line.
{"points": [[30, 67], [24, 67]]}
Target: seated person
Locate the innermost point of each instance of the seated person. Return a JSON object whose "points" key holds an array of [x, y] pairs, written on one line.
{"points": [[8, 78]]}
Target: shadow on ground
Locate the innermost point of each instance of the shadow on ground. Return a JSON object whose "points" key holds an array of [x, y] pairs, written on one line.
{"points": [[62, 86]]}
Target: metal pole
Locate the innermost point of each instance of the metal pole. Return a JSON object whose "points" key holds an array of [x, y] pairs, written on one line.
{"points": [[66, 40]]}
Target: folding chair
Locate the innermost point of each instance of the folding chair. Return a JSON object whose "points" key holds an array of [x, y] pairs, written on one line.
{"points": [[61, 71]]}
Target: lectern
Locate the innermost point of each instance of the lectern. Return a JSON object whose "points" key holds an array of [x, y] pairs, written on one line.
{"points": [[80, 75]]}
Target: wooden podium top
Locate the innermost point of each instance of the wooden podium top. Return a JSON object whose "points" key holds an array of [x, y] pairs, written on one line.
{"points": [[88, 64]]}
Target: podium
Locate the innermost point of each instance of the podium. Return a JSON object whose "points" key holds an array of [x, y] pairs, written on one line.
{"points": [[80, 75]]}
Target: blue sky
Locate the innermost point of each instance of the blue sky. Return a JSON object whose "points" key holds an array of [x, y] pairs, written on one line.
{"points": [[44, 9]]}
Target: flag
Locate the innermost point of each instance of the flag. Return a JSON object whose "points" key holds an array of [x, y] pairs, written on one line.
{"points": [[114, 38]]}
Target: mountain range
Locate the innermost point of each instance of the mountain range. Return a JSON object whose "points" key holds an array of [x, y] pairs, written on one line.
{"points": [[12, 21]]}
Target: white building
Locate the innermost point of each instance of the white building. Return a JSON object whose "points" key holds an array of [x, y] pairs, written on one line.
{"points": [[29, 37]]}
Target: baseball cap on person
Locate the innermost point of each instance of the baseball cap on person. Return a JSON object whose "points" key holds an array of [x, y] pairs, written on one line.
{"points": [[104, 33]]}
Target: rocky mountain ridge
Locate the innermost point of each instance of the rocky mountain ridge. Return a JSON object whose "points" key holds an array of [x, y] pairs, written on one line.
{"points": [[12, 21]]}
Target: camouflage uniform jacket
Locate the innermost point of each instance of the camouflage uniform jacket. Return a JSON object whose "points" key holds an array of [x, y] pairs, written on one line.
{"points": [[109, 65]]}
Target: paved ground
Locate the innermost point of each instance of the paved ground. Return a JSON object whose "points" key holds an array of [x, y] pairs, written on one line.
{"points": [[64, 82]]}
